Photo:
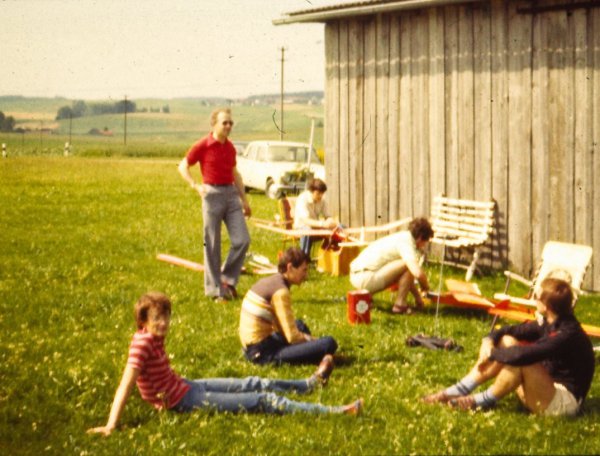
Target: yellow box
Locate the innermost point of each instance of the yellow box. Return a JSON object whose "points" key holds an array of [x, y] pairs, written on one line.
{"points": [[337, 262]]}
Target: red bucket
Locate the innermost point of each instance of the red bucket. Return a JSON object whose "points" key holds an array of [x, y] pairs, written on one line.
{"points": [[359, 306]]}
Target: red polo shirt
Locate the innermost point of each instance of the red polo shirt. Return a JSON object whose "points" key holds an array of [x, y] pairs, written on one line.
{"points": [[217, 160]]}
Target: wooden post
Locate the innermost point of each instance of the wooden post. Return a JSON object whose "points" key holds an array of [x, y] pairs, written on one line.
{"points": [[125, 124]]}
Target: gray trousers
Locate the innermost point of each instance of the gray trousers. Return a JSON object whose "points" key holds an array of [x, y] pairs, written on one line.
{"points": [[222, 204]]}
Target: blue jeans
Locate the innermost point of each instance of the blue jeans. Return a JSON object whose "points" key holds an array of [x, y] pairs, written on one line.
{"points": [[250, 394], [306, 242], [275, 349]]}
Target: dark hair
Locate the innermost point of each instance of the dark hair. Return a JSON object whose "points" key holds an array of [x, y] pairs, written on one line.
{"points": [[152, 300], [557, 295], [420, 228], [317, 185], [293, 255], [215, 114]]}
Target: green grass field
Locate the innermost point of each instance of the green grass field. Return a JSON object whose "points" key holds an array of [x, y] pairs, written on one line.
{"points": [[79, 239], [148, 134]]}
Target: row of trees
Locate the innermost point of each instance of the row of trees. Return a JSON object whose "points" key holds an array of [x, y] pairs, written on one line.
{"points": [[81, 108], [7, 123]]}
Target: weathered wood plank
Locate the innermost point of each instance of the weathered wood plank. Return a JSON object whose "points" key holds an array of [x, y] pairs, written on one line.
{"points": [[540, 175], [436, 127], [451, 101], [594, 39], [332, 116], [482, 84], [382, 118], [393, 111], [560, 148], [420, 112], [519, 139], [465, 113], [583, 133], [369, 139], [500, 129], [355, 108], [482, 122], [346, 206], [405, 156]]}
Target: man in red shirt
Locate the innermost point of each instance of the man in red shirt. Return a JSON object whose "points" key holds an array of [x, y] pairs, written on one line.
{"points": [[223, 200]]}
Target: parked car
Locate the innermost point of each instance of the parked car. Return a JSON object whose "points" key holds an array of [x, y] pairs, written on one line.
{"points": [[240, 147], [279, 166]]}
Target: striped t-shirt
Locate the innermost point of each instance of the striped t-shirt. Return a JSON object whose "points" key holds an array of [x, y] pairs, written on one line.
{"points": [[267, 308], [157, 382]]}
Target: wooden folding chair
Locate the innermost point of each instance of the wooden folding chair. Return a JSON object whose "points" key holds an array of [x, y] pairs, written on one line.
{"points": [[286, 215]]}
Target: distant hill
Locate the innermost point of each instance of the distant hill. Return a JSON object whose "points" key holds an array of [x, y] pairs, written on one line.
{"points": [[256, 118]]}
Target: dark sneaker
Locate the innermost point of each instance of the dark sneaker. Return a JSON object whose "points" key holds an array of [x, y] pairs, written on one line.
{"points": [[229, 291], [324, 370]]}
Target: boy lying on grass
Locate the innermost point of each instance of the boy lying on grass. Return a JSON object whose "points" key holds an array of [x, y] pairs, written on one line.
{"points": [[549, 364], [148, 366]]}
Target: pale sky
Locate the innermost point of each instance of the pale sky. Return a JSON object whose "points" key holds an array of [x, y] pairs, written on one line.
{"points": [[98, 49]]}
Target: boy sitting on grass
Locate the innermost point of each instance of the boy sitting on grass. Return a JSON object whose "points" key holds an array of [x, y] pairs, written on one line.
{"points": [[269, 332], [148, 366], [549, 364]]}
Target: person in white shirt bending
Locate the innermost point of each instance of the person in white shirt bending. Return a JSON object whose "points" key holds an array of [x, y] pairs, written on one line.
{"points": [[395, 259]]}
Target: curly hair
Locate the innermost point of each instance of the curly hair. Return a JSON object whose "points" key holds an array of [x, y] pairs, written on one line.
{"points": [[151, 300], [293, 255], [420, 228]]}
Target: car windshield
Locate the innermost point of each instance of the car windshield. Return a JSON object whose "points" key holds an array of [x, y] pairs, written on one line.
{"points": [[291, 154]]}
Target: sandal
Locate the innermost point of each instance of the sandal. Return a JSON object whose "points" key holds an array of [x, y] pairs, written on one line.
{"points": [[400, 309]]}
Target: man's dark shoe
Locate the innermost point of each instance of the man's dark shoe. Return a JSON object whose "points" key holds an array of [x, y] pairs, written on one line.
{"points": [[230, 291], [324, 370]]}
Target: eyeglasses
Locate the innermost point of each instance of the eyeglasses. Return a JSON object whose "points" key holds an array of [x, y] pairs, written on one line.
{"points": [[227, 122]]}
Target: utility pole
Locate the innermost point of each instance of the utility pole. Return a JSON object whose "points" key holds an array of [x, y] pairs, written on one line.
{"points": [[281, 99], [125, 124], [68, 145]]}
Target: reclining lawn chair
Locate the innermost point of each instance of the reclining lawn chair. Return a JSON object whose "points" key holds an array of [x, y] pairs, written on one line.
{"points": [[560, 260]]}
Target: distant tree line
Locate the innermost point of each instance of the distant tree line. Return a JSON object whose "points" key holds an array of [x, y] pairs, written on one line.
{"points": [[80, 108], [7, 123]]}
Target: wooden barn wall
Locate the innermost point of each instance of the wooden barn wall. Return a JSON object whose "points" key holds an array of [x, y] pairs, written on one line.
{"points": [[476, 101]]}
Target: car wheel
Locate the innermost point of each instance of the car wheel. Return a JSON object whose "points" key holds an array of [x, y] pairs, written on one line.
{"points": [[270, 189]]}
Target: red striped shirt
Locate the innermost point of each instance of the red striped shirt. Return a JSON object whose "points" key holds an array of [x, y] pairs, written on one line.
{"points": [[157, 382]]}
